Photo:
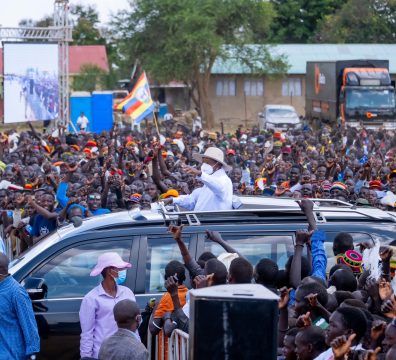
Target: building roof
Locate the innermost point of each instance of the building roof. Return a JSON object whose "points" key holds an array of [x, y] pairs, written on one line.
{"points": [[78, 56], [298, 54], [88, 54]]}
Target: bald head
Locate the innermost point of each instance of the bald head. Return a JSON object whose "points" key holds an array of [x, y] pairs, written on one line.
{"points": [[3, 264], [125, 313]]}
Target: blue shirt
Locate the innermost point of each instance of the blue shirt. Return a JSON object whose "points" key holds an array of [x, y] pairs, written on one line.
{"points": [[63, 200], [319, 259], [42, 226], [19, 336]]}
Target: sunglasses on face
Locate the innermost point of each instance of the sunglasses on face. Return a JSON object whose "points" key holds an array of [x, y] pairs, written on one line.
{"points": [[94, 197]]}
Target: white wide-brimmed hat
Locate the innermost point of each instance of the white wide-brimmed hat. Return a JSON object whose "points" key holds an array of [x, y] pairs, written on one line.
{"points": [[215, 154], [110, 259]]}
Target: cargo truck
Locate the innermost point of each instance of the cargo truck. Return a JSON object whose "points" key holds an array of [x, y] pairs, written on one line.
{"points": [[352, 92]]}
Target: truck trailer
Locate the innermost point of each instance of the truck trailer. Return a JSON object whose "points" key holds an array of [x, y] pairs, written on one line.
{"points": [[351, 92]]}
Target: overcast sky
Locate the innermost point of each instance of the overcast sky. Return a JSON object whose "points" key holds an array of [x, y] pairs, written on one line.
{"points": [[12, 11]]}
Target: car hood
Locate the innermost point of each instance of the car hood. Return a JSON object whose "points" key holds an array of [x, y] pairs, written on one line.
{"points": [[283, 119]]}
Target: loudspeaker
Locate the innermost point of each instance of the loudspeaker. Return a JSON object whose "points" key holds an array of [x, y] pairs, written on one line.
{"points": [[233, 322]]}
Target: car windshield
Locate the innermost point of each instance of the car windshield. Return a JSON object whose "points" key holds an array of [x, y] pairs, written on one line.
{"points": [[281, 112], [369, 99]]}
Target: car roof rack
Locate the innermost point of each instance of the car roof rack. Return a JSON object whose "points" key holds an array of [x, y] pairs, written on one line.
{"points": [[195, 218]]}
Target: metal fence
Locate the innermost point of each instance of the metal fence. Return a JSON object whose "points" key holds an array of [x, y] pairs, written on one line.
{"points": [[178, 345]]}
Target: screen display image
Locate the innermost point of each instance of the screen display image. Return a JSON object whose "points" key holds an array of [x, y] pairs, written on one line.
{"points": [[31, 88]]}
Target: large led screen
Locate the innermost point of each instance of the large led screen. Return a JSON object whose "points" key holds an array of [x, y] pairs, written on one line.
{"points": [[31, 88]]}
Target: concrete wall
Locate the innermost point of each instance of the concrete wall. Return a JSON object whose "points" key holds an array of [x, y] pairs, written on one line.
{"points": [[231, 109]]}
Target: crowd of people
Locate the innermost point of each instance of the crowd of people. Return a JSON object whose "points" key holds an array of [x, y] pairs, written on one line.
{"points": [[48, 181]]}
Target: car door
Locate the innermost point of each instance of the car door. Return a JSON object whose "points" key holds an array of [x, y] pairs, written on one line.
{"points": [[67, 280]]}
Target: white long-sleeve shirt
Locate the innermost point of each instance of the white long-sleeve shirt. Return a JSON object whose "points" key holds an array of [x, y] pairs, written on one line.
{"points": [[216, 194]]}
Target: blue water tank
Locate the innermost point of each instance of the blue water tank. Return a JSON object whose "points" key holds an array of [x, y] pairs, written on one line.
{"points": [[80, 101], [102, 111]]}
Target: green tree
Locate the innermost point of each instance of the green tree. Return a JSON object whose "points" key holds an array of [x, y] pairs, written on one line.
{"points": [[361, 21], [90, 78], [86, 26], [44, 22], [181, 39], [297, 20]]}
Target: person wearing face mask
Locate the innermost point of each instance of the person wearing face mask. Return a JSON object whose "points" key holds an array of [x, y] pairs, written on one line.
{"points": [[125, 344], [216, 194], [96, 311]]}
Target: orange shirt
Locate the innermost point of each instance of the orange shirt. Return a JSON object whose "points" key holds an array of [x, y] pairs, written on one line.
{"points": [[166, 305]]}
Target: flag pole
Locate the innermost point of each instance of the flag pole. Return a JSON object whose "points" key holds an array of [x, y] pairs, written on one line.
{"points": [[156, 123]]}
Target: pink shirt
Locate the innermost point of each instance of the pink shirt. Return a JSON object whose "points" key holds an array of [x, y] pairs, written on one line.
{"points": [[97, 319]]}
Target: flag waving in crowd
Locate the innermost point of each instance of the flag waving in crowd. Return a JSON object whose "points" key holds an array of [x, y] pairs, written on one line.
{"points": [[138, 104]]}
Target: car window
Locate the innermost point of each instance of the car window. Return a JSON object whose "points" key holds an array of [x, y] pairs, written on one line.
{"points": [[357, 238], [67, 274], [160, 251], [256, 247]]}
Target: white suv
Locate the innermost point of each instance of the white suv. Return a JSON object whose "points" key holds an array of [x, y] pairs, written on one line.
{"points": [[279, 117]]}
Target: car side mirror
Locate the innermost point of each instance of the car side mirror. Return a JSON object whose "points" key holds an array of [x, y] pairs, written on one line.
{"points": [[36, 288]]}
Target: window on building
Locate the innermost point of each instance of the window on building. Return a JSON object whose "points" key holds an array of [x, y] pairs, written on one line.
{"points": [[291, 87], [253, 87], [226, 87]]}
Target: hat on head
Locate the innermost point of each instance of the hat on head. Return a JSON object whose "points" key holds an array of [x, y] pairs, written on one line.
{"points": [[277, 135], [212, 136], [353, 259], [109, 259], [278, 143], [339, 185], [286, 150], [135, 198], [170, 193], [75, 147], [375, 185], [230, 152], [215, 154], [91, 143], [326, 185]]}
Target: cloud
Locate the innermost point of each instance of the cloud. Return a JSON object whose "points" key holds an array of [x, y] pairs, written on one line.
{"points": [[16, 10]]}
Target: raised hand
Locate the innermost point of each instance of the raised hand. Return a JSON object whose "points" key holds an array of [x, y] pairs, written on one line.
{"points": [[304, 320], [385, 290], [176, 231], [341, 346], [303, 237], [312, 299], [306, 205], [171, 285], [389, 307], [377, 330], [284, 297]]}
